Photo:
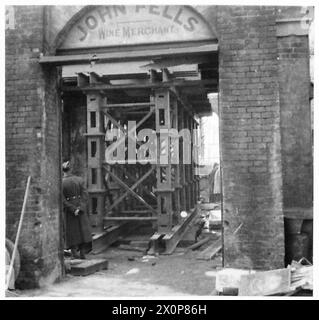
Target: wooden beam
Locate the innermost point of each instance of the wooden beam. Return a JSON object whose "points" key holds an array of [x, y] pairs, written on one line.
{"points": [[128, 55], [210, 251], [113, 218], [129, 105], [118, 125], [135, 211], [103, 240], [171, 239], [120, 182], [134, 186], [130, 176], [129, 132], [146, 85]]}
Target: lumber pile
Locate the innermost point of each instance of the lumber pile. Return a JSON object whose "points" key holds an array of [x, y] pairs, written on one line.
{"points": [[286, 281]]}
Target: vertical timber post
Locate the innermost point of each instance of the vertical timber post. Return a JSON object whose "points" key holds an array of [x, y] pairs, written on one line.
{"points": [[95, 148], [164, 166]]}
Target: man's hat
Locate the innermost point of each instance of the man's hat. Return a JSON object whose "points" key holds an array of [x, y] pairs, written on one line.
{"points": [[66, 165]]}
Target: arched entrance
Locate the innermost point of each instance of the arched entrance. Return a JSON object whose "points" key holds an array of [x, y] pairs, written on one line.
{"points": [[128, 69]]}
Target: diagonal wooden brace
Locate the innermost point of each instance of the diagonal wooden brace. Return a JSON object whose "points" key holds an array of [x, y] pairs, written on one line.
{"points": [[134, 186], [130, 176], [129, 132], [118, 125], [129, 190]]}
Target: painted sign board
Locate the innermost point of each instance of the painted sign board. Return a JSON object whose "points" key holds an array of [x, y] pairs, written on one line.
{"points": [[125, 25]]}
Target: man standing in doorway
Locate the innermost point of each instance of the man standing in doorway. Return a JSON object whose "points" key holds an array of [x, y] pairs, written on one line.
{"points": [[77, 226]]}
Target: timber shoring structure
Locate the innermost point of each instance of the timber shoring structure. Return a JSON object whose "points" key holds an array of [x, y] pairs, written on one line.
{"points": [[155, 190]]}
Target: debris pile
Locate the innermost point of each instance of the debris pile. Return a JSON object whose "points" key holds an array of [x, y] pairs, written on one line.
{"points": [[301, 275], [287, 281]]}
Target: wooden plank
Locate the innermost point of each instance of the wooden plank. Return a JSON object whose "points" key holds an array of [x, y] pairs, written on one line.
{"points": [[127, 55], [129, 105], [136, 211], [265, 283], [111, 218], [198, 244], [131, 248], [210, 251], [86, 267], [214, 248], [172, 238], [103, 240], [209, 206]]}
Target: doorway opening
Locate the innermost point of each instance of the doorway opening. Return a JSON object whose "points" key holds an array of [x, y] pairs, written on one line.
{"points": [[132, 116], [132, 129]]}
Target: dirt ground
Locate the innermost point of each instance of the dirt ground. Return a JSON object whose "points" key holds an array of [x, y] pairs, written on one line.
{"points": [[129, 275]]}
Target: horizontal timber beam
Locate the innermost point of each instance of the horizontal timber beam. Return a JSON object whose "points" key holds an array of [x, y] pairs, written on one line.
{"points": [[127, 55], [154, 85], [130, 218]]}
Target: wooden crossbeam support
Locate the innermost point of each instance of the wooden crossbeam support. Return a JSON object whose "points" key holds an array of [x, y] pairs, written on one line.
{"points": [[116, 123], [120, 182], [129, 132], [130, 176], [132, 188]]}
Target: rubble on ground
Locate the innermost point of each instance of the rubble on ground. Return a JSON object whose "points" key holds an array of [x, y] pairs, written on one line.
{"points": [[294, 278]]}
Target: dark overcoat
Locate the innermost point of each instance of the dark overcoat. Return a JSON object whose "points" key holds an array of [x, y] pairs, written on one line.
{"points": [[77, 228]]}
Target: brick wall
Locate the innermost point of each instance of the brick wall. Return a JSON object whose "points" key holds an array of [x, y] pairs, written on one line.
{"points": [[249, 126], [294, 80], [250, 135], [32, 148]]}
